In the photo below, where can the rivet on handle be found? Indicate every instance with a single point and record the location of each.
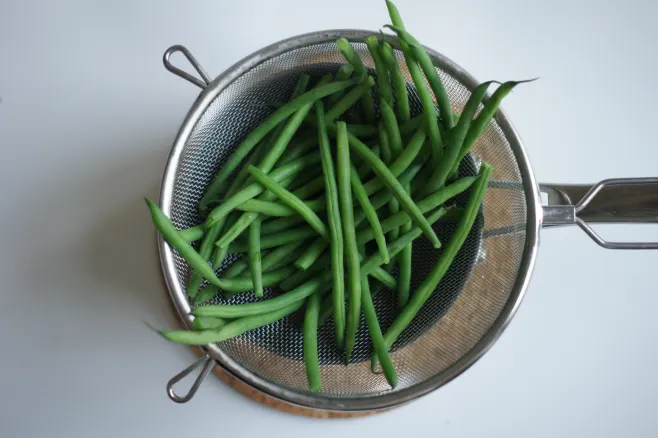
(201, 83)
(208, 364)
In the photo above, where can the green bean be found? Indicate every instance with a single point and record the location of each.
(384, 277)
(387, 157)
(300, 277)
(426, 64)
(173, 238)
(343, 74)
(269, 208)
(254, 189)
(312, 253)
(327, 308)
(457, 135)
(232, 329)
(349, 99)
(205, 251)
(429, 112)
(266, 126)
(394, 185)
(349, 236)
(404, 265)
(310, 189)
(392, 128)
(362, 131)
(364, 168)
(291, 200)
(192, 234)
(254, 257)
(371, 214)
(424, 291)
(270, 260)
(260, 307)
(311, 342)
(375, 331)
(353, 58)
(280, 224)
(429, 203)
(399, 83)
(385, 90)
(297, 150)
(482, 120)
(205, 294)
(208, 322)
(408, 127)
(274, 240)
(245, 284)
(402, 162)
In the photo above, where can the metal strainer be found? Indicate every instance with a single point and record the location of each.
(475, 300)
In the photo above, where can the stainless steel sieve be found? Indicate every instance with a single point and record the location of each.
(473, 303)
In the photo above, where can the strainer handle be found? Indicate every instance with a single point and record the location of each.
(207, 362)
(201, 83)
(627, 200)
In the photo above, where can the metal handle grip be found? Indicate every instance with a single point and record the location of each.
(208, 364)
(625, 200)
(201, 83)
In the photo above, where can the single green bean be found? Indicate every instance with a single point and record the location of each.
(394, 185)
(392, 128)
(232, 329)
(173, 238)
(410, 126)
(387, 157)
(297, 150)
(274, 240)
(280, 224)
(370, 212)
(311, 188)
(205, 294)
(312, 253)
(349, 99)
(311, 342)
(260, 307)
(208, 322)
(266, 126)
(205, 251)
(404, 265)
(269, 208)
(379, 345)
(482, 120)
(254, 257)
(192, 234)
(385, 90)
(343, 74)
(349, 236)
(426, 64)
(457, 136)
(398, 80)
(245, 284)
(353, 58)
(291, 200)
(254, 189)
(364, 168)
(384, 277)
(424, 291)
(429, 112)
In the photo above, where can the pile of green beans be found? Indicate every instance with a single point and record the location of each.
(329, 197)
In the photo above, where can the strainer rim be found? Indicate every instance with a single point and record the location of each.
(382, 401)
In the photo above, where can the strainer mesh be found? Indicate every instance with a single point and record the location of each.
(466, 303)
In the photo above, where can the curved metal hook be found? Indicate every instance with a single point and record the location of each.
(192, 60)
(208, 364)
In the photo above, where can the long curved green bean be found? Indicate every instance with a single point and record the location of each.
(349, 236)
(426, 64)
(266, 126)
(354, 59)
(192, 234)
(349, 99)
(457, 136)
(276, 239)
(254, 189)
(173, 238)
(311, 342)
(260, 307)
(232, 329)
(362, 197)
(482, 120)
(429, 112)
(394, 185)
(398, 81)
(383, 82)
(291, 200)
(254, 257)
(343, 74)
(424, 291)
(378, 343)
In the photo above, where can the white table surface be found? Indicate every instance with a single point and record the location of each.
(87, 118)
